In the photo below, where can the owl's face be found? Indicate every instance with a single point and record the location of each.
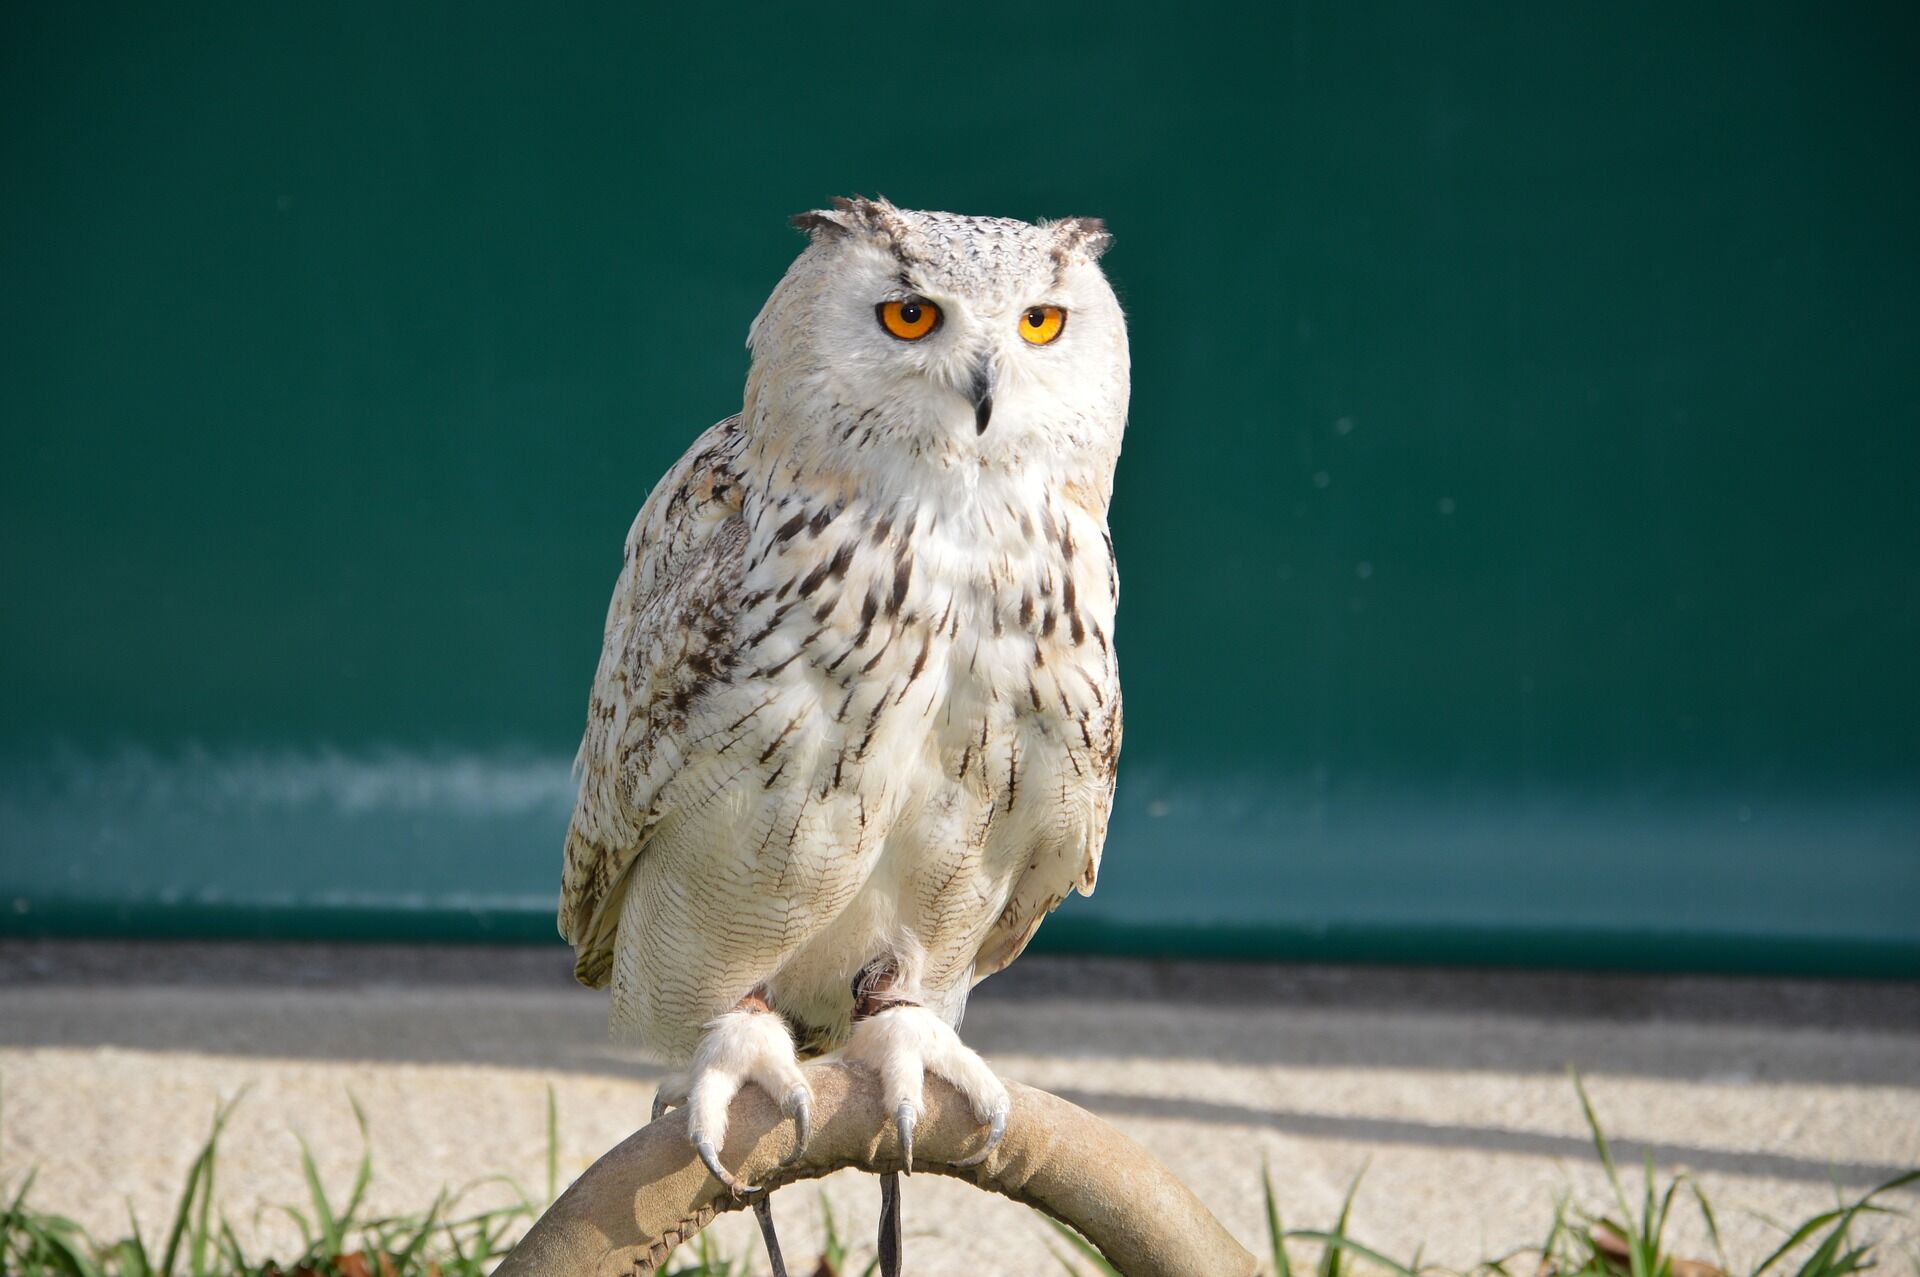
(930, 337)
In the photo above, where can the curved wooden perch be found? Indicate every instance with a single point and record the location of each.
(650, 1193)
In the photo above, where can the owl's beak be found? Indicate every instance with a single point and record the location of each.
(981, 392)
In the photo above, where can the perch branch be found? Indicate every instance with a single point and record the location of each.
(628, 1210)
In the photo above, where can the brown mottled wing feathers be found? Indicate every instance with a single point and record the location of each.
(668, 637)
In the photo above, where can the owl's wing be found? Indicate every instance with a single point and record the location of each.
(1068, 863)
(673, 602)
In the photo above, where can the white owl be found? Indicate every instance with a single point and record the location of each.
(855, 724)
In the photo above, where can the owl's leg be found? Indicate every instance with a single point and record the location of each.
(902, 1041)
(748, 1044)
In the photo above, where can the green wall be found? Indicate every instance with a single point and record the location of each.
(1518, 520)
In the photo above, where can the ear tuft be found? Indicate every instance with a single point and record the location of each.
(820, 225)
(1088, 236)
(872, 217)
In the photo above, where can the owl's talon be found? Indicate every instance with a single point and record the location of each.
(904, 1118)
(996, 1131)
(908, 1043)
(671, 1093)
(704, 1147)
(744, 1046)
(798, 1106)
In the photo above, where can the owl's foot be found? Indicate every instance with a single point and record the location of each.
(903, 1043)
(747, 1044)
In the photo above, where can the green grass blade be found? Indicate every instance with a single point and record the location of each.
(1817, 1222)
(1713, 1225)
(308, 1241)
(832, 1249)
(1827, 1259)
(1844, 1216)
(1332, 1257)
(1064, 1264)
(199, 1183)
(1551, 1247)
(183, 1213)
(506, 1181)
(1497, 1265)
(1644, 1240)
(406, 1254)
(134, 1261)
(1087, 1249)
(230, 1251)
(323, 1216)
(1659, 1228)
(553, 1146)
(16, 1211)
(1898, 1181)
(197, 1242)
(1276, 1231)
(1818, 1263)
(485, 1242)
(62, 1244)
(1600, 1142)
(1854, 1261)
(453, 1242)
(362, 1175)
(711, 1261)
(1341, 1242)
(125, 1258)
(1794, 1238)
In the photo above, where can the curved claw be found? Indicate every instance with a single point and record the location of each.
(659, 1103)
(904, 1119)
(704, 1147)
(800, 1107)
(995, 1133)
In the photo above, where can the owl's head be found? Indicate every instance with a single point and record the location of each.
(941, 340)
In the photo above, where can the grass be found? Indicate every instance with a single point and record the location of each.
(1628, 1241)
(339, 1239)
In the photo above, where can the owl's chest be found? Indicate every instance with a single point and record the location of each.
(935, 663)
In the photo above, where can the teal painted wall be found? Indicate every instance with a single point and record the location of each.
(1518, 519)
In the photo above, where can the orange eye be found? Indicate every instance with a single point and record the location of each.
(1041, 324)
(908, 320)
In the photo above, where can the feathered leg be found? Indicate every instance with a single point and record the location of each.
(902, 1041)
(747, 1044)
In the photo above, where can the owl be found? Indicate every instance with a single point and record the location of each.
(854, 728)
